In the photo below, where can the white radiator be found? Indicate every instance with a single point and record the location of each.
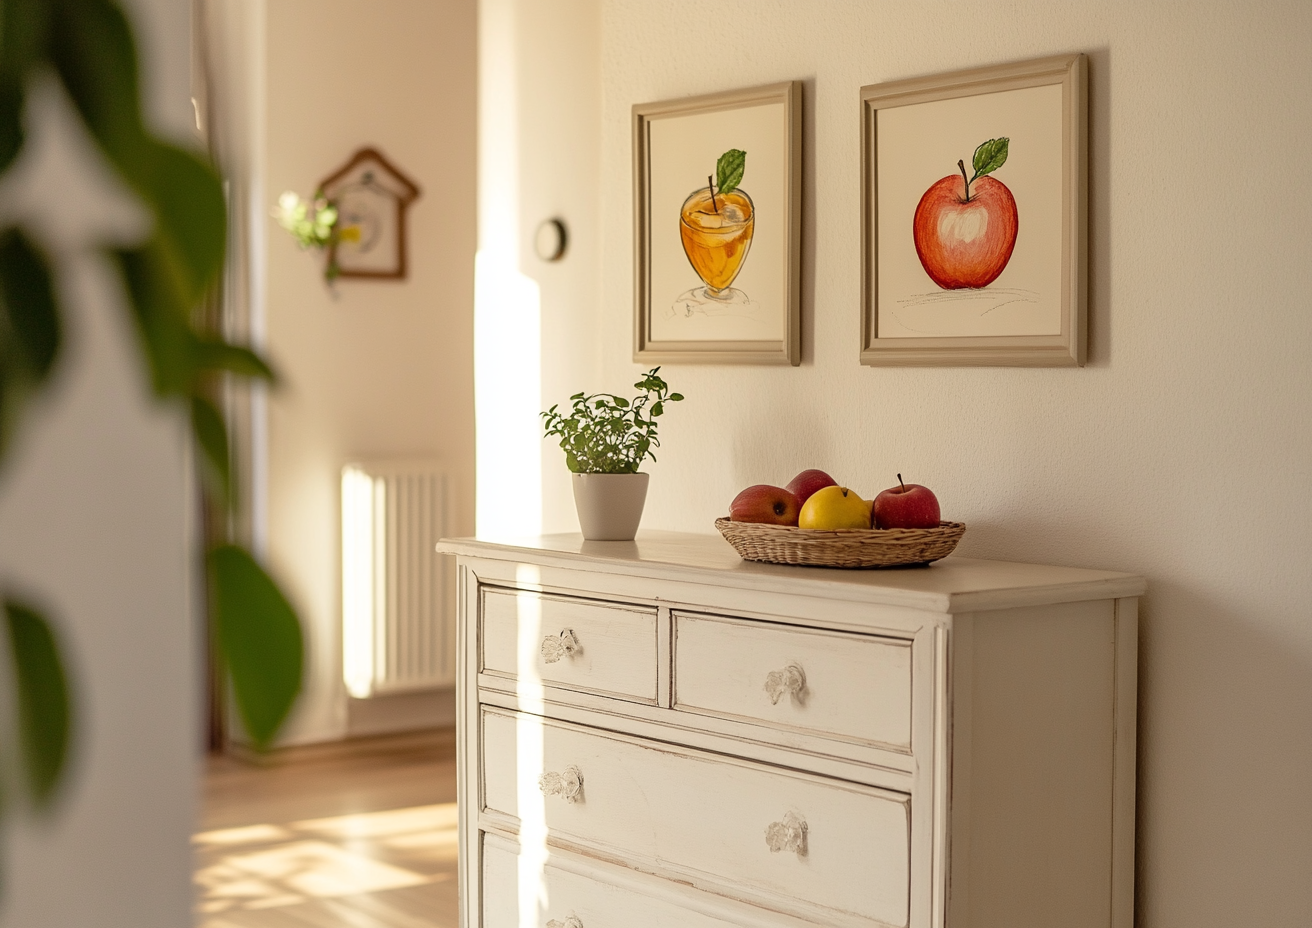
(398, 632)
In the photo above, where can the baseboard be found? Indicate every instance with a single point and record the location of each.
(441, 741)
(398, 712)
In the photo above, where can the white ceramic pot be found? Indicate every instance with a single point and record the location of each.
(610, 505)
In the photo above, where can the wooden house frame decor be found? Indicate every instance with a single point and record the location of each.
(371, 195)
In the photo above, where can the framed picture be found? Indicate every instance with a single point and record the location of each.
(717, 187)
(974, 217)
(372, 196)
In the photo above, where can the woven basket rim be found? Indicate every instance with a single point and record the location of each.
(844, 548)
(844, 533)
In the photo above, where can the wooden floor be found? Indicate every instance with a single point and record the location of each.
(325, 838)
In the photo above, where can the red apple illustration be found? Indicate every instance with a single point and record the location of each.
(965, 229)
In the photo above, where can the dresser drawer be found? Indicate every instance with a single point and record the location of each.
(833, 684)
(561, 893)
(719, 823)
(574, 644)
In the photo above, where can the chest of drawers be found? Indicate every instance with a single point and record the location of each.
(655, 734)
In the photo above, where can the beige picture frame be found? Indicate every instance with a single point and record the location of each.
(1065, 241)
(774, 259)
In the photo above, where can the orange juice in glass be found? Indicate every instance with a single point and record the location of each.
(716, 229)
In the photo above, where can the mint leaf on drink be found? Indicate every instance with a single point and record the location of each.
(990, 156)
(729, 170)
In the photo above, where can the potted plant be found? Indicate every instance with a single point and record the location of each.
(605, 439)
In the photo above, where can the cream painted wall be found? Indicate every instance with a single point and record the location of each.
(539, 158)
(559, 70)
(96, 526)
(1183, 451)
(374, 369)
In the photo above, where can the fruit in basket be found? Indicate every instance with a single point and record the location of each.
(807, 482)
(834, 508)
(764, 503)
(907, 505)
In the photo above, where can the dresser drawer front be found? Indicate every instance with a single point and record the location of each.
(833, 684)
(557, 895)
(701, 817)
(574, 644)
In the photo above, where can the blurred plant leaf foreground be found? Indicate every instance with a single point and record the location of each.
(87, 46)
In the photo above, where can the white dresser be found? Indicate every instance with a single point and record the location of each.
(656, 734)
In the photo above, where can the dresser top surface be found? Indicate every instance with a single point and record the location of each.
(954, 584)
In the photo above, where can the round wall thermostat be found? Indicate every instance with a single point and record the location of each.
(550, 240)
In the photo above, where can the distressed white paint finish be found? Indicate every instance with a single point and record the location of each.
(1010, 801)
(709, 818)
(854, 687)
(612, 651)
(602, 896)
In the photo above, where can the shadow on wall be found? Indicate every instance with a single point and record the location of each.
(1219, 678)
(1100, 206)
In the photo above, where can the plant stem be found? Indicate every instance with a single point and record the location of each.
(899, 476)
(710, 185)
(961, 164)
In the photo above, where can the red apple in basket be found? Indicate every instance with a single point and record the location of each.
(764, 503)
(965, 228)
(807, 482)
(907, 505)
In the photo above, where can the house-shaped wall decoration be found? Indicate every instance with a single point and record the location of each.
(372, 196)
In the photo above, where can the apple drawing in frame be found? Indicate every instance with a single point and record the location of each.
(965, 228)
(765, 504)
(907, 505)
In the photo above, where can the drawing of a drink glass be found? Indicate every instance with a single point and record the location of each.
(716, 224)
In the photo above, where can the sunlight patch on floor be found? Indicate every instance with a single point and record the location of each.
(267, 866)
(379, 824)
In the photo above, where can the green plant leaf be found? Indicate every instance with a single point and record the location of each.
(44, 707)
(675, 397)
(728, 174)
(29, 328)
(211, 355)
(259, 639)
(608, 434)
(28, 298)
(92, 49)
(161, 320)
(190, 216)
(212, 437)
(990, 156)
(11, 121)
(23, 25)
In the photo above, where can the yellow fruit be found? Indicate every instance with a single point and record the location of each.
(834, 508)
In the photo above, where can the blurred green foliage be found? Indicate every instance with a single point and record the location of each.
(88, 46)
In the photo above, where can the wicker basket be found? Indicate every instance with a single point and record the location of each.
(856, 547)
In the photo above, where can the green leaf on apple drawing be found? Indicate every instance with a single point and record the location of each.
(729, 170)
(990, 156)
